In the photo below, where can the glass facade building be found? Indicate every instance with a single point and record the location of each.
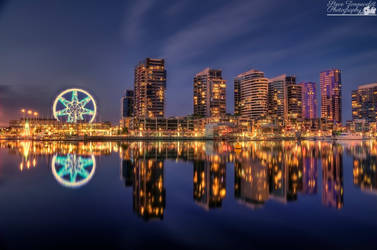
(309, 100)
(150, 88)
(251, 98)
(331, 96)
(127, 104)
(364, 102)
(209, 93)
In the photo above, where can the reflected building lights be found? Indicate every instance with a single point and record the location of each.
(332, 177)
(209, 182)
(148, 189)
(263, 170)
(251, 182)
(364, 167)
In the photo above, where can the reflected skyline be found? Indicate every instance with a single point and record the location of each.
(280, 171)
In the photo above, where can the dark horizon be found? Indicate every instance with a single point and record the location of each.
(47, 46)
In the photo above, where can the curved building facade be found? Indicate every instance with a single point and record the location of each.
(253, 94)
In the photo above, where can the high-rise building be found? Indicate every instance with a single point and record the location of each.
(294, 103)
(127, 104)
(364, 102)
(331, 96)
(150, 88)
(284, 99)
(251, 98)
(309, 100)
(209, 93)
(237, 96)
(277, 99)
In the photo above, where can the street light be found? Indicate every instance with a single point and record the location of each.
(23, 113)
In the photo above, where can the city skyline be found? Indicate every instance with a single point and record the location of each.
(40, 63)
(188, 124)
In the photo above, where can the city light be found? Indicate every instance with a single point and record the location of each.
(77, 108)
(72, 170)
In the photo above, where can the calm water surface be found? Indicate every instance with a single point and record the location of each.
(186, 195)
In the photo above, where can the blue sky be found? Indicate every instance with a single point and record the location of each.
(47, 46)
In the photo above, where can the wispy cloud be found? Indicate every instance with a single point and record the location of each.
(176, 8)
(225, 23)
(135, 16)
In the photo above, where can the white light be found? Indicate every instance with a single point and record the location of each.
(72, 90)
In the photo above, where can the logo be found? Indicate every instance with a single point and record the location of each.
(351, 8)
(368, 10)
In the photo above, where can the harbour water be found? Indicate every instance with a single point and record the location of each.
(188, 195)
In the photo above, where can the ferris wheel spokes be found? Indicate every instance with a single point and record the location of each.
(76, 109)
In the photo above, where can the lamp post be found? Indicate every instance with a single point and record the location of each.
(23, 113)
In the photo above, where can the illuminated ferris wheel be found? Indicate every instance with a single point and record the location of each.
(74, 105)
(73, 170)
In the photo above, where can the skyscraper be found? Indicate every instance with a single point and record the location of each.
(284, 99)
(150, 87)
(364, 102)
(331, 96)
(309, 100)
(294, 100)
(237, 96)
(209, 93)
(127, 104)
(251, 100)
(277, 99)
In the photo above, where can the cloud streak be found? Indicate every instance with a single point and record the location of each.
(221, 25)
(135, 16)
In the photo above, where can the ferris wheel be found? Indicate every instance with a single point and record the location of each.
(73, 170)
(73, 105)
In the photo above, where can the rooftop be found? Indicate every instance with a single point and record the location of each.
(206, 71)
(367, 86)
(251, 71)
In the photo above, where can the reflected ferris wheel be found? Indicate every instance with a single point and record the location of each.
(73, 170)
(74, 105)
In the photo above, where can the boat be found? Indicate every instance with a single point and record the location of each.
(349, 136)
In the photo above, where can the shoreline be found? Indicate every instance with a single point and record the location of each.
(152, 138)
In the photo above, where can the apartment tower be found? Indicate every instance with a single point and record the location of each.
(150, 88)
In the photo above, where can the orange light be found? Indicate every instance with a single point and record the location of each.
(29, 112)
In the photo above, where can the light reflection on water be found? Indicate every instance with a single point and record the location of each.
(261, 172)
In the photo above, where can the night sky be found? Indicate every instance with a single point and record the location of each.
(47, 46)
